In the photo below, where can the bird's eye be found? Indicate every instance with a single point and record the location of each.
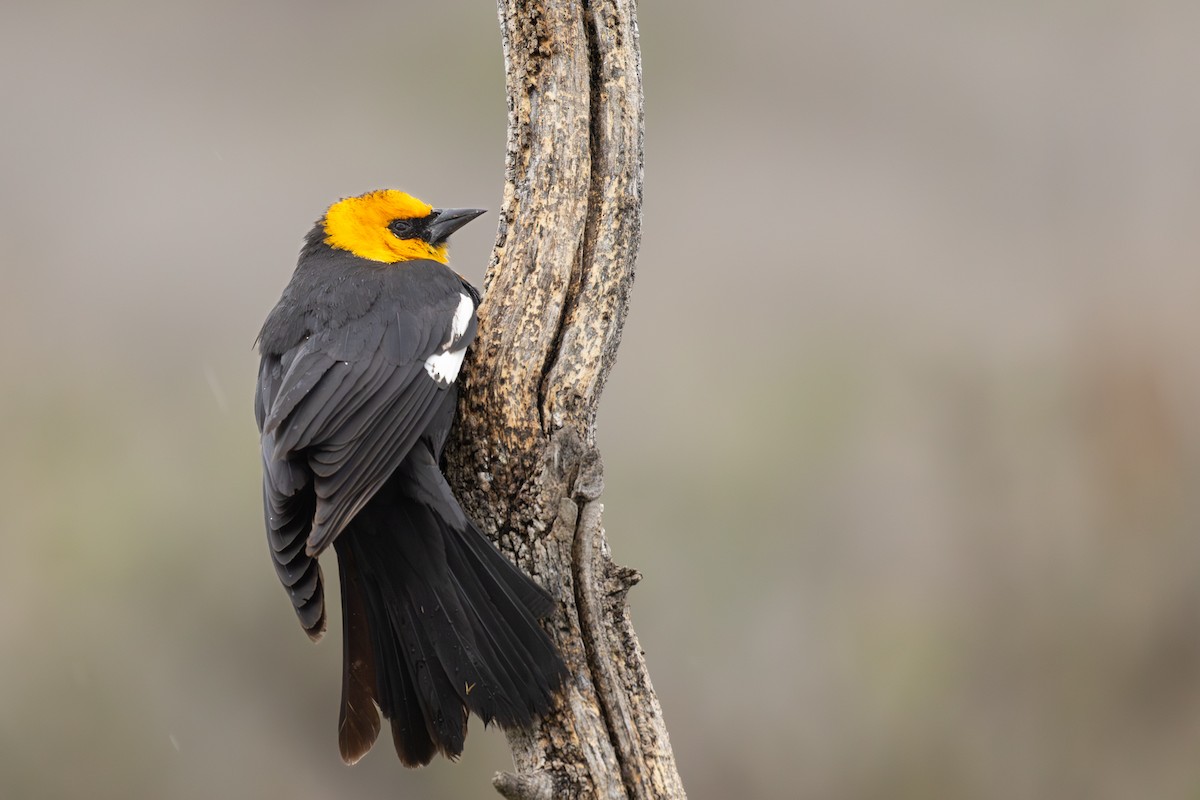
(403, 228)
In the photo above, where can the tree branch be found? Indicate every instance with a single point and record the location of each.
(523, 460)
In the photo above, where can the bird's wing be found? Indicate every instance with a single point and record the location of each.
(345, 405)
(288, 505)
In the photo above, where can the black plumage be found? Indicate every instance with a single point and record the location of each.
(354, 409)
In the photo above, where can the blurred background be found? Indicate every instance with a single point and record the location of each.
(904, 435)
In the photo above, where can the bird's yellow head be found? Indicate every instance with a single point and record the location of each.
(390, 226)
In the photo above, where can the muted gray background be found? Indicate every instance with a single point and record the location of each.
(904, 434)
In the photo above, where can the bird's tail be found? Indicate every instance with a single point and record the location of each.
(437, 623)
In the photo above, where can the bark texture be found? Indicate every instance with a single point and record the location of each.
(523, 460)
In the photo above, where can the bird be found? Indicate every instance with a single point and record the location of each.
(356, 396)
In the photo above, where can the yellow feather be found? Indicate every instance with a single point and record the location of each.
(360, 225)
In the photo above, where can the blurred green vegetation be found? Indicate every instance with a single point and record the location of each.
(903, 433)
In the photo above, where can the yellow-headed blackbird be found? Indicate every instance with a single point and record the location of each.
(356, 395)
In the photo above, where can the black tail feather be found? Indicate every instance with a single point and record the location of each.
(358, 720)
(451, 626)
(520, 647)
(396, 693)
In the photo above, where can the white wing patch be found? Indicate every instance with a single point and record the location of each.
(444, 367)
(462, 316)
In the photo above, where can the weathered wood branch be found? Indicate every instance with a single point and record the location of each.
(524, 461)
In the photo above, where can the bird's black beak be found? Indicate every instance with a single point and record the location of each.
(447, 221)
